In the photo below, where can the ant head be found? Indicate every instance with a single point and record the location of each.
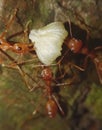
(73, 42)
(22, 48)
(75, 45)
(46, 73)
(51, 108)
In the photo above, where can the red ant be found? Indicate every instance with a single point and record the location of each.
(19, 48)
(77, 47)
(52, 105)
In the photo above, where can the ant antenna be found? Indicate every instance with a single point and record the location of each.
(26, 30)
(70, 28)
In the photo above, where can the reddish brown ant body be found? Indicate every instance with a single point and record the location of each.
(20, 48)
(77, 47)
(52, 105)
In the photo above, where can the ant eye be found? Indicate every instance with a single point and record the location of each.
(18, 48)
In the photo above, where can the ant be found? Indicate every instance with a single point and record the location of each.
(18, 66)
(20, 48)
(52, 105)
(78, 47)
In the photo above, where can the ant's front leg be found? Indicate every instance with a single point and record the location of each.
(97, 61)
(98, 65)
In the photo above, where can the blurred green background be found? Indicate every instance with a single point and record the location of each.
(82, 101)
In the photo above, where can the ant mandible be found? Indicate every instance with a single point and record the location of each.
(77, 47)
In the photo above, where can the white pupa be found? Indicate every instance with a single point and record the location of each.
(48, 41)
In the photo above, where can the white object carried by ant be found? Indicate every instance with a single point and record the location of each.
(48, 41)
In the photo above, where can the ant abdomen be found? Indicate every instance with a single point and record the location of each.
(51, 108)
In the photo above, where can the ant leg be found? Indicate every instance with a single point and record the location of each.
(58, 104)
(36, 110)
(98, 65)
(70, 28)
(97, 62)
(15, 34)
(98, 48)
(26, 31)
(77, 67)
(23, 74)
(26, 62)
(69, 82)
(16, 66)
(8, 24)
(38, 107)
(8, 56)
(1, 58)
(33, 88)
(59, 62)
(70, 64)
(72, 79)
